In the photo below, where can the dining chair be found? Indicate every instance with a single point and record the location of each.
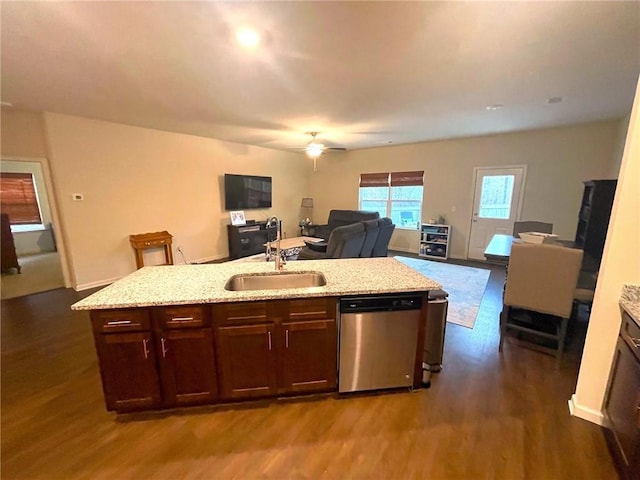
(531, 226)
(541, 284)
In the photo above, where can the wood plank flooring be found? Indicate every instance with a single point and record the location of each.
(486, 415)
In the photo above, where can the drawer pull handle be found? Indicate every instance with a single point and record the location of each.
(164, 348)
(635, 341)
(119, 322)
(182, 319)
(144, 348)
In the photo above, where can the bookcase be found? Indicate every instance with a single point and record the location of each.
(434, 241)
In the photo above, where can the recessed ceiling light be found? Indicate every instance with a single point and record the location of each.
(555, 100)
(495, 106)
(247, 37)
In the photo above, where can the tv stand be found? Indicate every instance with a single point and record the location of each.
(249, 239)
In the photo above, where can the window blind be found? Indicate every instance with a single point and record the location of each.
(374, 179)
(18, 198)
(407, 179)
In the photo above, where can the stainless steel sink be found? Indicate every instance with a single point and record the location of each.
(275, 281)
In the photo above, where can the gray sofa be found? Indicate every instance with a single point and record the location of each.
(363, 239)
(339, 218)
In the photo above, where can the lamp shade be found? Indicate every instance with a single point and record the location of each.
(307, 202)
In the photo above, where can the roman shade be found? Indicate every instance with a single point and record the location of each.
(19, 199)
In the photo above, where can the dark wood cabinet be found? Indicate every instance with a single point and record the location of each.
(162, 357)
(622, 403)
(247, 240)
(309, 353)
(126, 355)
(8, 248)
(274, 348)
(593, 219)
(247, 361)
(184, 342)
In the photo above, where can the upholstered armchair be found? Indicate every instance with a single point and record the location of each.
(344, 242)
(381, 247)
(371, 230)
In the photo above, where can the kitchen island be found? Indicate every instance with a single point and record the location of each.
(169, 336)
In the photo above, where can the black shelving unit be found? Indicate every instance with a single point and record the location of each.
(593, 219)
(247, 240)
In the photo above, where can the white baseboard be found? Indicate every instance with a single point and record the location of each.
(406, 250)
(204, 260)
(588, 414)
(99, 283)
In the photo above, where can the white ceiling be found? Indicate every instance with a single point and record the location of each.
(364, 74)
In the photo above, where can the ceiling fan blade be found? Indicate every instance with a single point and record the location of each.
(336, 149)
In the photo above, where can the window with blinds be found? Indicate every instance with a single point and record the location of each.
(19, 199)
(397, 195)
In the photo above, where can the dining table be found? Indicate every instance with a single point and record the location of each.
(499, 250)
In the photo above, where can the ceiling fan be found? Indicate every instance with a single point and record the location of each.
(314, 149)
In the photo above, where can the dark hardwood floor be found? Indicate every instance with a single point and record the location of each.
(486, 415)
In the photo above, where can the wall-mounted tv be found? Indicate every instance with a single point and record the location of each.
(243, 192)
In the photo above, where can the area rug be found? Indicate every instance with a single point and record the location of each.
(465, 286)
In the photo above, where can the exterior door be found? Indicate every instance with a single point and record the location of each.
(497, 201)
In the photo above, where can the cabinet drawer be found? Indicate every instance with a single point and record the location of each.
(312, 308)
(240, 313)
(630, 332)
(188, 316)
(120, 320)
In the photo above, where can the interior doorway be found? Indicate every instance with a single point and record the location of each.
(497, 202)
(34, 243)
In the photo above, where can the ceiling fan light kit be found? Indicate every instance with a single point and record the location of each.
(314, 149)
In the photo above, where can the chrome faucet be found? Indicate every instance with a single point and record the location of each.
(279, 261)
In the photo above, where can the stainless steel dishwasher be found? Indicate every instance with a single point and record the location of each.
(378, 338)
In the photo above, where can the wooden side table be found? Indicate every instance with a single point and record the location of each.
(152, 240)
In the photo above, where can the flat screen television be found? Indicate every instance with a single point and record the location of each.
(244, 192)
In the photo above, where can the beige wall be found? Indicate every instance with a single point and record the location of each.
(558, 161)
(22, 134)
(136, 180)
(616, 159)
(620, 265)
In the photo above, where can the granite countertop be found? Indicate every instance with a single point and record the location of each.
(630, 301)
(195, 284)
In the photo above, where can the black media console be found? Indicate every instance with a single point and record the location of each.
(249, 239)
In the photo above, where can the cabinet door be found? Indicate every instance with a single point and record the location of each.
(309, 355)
(246, 361)
(128, 369)
(187, 366)
(623, 405)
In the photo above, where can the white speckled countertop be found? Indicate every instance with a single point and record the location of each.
(630, 301)
(194, 284)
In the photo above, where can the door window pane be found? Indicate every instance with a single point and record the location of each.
(496, 195)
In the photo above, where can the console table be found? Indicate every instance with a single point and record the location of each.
(152, 240)
(247, 240)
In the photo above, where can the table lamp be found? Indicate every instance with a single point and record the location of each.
(307, 202)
